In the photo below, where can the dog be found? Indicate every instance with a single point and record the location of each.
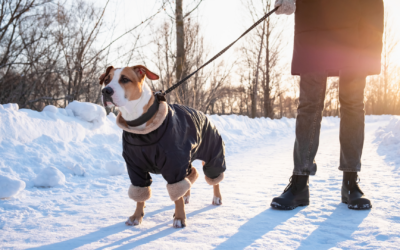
(169, 140)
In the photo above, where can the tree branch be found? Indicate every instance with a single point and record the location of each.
(129, 31)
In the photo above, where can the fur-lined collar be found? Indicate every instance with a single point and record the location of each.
(157, 121)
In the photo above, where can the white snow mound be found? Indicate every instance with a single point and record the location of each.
(49, 177)
(115, 168)
(88, 112)
(390, 134)
(11, 106)
(388, 137)
(10, 187)
(76, 169)
(50, 109)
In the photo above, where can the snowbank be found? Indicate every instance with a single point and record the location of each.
(388, 138)
(49, 177)
(88, 112)
(77, 142)
(10, 187)
(115, 168)
(240, 132)
(77, 169)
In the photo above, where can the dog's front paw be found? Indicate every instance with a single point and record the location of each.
(217, 201)
(179, 223)
(134, 221)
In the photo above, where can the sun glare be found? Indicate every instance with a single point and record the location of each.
(391, 7)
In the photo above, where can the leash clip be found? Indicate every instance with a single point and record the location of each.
(160, 96)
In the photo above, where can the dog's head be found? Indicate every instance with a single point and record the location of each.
(122, 85)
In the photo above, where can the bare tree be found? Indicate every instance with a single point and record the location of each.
(204, 89)
(389, 45)
(261, 51)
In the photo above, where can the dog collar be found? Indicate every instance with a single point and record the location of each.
(159, 96)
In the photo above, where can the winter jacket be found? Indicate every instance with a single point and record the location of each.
(331, 35)
(185, 135)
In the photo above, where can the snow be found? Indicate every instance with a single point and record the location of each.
(89, 210)
(88, 112)
(49, 177)
(11, 106)
(115, 168)
(50, 109)
(77, 169)
(10, 187)
(389, 136)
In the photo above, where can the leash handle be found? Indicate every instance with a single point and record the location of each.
(219, 54)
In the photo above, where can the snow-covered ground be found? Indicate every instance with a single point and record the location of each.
(67, 186)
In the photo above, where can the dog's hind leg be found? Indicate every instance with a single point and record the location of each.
(137, 218)
(217, 199)
(192, 177)
(180, 214)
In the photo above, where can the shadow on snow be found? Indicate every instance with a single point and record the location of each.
(256, 227)
(95, 236)
(119, 227)
(338, 227)
(155, 236)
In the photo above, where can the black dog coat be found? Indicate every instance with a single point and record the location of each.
(184, 136)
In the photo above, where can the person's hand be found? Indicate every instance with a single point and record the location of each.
(287, 7)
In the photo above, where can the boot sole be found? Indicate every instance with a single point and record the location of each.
(278, 206)
(364, 207)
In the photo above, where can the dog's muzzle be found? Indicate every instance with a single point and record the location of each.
(107, 96)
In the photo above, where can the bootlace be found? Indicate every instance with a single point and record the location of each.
(358, 187)
(355, 185)
(290, 185)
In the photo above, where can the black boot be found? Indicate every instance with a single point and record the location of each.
(296, 194)
(352, 194)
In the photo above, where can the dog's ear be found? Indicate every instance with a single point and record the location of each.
(103, 76)
(142, 71)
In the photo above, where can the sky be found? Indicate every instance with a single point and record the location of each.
(222, 21)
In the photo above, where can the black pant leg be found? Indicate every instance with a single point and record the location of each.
(308, 122)
(352, 122)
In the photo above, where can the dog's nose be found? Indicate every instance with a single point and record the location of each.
(107, 91)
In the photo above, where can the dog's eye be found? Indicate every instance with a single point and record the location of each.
(124, 79)
(107, 81)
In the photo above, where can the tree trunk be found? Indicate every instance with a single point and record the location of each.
(255, 87)
(280, 105)
(180, 45)
(267, 100)
(167, 62)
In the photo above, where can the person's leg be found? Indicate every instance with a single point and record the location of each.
(308, 122)
(351, 97)
(308, 125)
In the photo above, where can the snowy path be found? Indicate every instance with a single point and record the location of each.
(91, 213)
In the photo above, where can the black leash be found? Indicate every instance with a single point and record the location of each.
(160, 95)
(216, 56)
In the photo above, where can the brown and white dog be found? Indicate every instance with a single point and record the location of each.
(133, 97)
